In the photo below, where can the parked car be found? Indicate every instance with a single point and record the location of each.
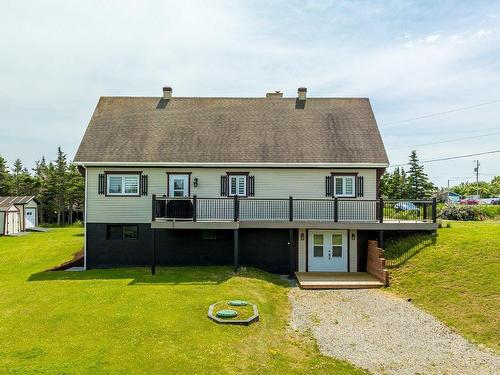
(405, 206)
(469, 201)
(495, 201)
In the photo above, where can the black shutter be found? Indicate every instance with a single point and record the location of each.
(328, 187)
(251, 186)
(223, 186)
(360, 186)
(101, 186)
(144, 184)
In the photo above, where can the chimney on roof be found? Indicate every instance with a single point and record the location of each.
(167, 92)
(274, 95)
(301, 92)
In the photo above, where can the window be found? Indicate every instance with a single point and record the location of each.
(238, 185)
(122, 232)
(337, 245)
(127, 184)
(318, 246)
(344, 186)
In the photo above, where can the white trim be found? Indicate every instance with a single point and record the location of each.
(239, 178)
(85, 220)
(239, 165)
(123, 184)
(344, 186)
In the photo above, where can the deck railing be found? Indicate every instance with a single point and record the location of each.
(290, 209)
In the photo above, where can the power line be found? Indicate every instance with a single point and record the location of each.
(438, 113)
(448, 158)
(445, 141)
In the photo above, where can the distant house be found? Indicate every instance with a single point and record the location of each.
(17, 214)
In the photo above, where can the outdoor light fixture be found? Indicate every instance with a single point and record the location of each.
(302, 236)
(353, 236)
(195, 182)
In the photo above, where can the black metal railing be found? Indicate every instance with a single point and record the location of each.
(290, 209)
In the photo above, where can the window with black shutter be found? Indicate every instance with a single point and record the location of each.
(328, 187)
(144, 184)
(223, 186)
(251, 186)
(101, 184)
(361, 186)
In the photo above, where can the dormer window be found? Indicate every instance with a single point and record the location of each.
(237, 185)
(344, 186)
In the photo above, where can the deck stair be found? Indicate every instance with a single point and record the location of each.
(337, 280)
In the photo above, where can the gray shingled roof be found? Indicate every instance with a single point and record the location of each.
(222, 130)
(6, 202)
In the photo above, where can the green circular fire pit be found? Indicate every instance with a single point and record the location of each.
(226, 313)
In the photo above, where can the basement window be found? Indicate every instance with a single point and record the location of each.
(122, 232)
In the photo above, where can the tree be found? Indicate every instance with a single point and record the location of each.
(59, 184)
(418, 184)
(75, 191)
(393, 185)
(23, 182)
(5, 178)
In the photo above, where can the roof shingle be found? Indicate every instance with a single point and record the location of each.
(228, 130)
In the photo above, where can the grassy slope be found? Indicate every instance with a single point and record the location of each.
(457, 279)
(125, 321)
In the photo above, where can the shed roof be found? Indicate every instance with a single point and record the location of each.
(9, 201)
(228, 130)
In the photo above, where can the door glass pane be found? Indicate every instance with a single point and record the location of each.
(179, 183)
(349, 185)
(318, 246)
(337, 251)
(131, 184)
(338, 185)
(337, 239)
(115, 185)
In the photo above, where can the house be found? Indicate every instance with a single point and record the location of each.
(17, 214)
(283, 184)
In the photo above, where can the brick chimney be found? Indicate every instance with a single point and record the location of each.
(301, 92)
(167, 92)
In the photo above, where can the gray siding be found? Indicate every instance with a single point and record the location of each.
(269, 183)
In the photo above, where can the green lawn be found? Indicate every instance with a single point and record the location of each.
(455, 276)
(126, 321)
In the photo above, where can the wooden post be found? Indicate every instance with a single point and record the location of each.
(290, 244)
(381, 210)
(153, 208)
(236, 208)
(434, 210)
(290, 208)
(153, 263)
(194, 207)
(336, 209)
(424, 216)
(381, 239)
(236, 250)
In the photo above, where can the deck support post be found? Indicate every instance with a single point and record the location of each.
(153, 263)
(153, 207)
(381, 210)
(381, 239)
(291, 246)
(194, 207)
(236, 249)
(434, 210)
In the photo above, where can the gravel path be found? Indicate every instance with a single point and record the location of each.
(385, 334)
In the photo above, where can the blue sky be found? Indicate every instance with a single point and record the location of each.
(410, 58)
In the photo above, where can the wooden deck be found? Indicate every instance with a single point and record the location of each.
(337, 280)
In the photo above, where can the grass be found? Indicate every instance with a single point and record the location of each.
(454, 276)
(124, 321)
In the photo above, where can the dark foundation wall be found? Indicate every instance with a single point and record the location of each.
(266, 249)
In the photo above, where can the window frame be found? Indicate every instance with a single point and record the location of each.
(123, 175)
(122, 227)
(344, 176)
(231, 175)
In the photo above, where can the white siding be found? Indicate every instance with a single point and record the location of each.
(2, 221)
(269, 183)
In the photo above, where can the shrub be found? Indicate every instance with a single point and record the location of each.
(460, 212)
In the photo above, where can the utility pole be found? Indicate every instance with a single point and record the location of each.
(476, 169)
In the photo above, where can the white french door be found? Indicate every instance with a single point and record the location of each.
(327, 250)
(178, 185)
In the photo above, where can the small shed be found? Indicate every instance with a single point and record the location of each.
(18, 213)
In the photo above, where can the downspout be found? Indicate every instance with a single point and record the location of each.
(85, 220)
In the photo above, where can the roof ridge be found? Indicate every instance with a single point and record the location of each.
(237, 97)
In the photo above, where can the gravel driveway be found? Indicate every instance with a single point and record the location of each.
(385, 334)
